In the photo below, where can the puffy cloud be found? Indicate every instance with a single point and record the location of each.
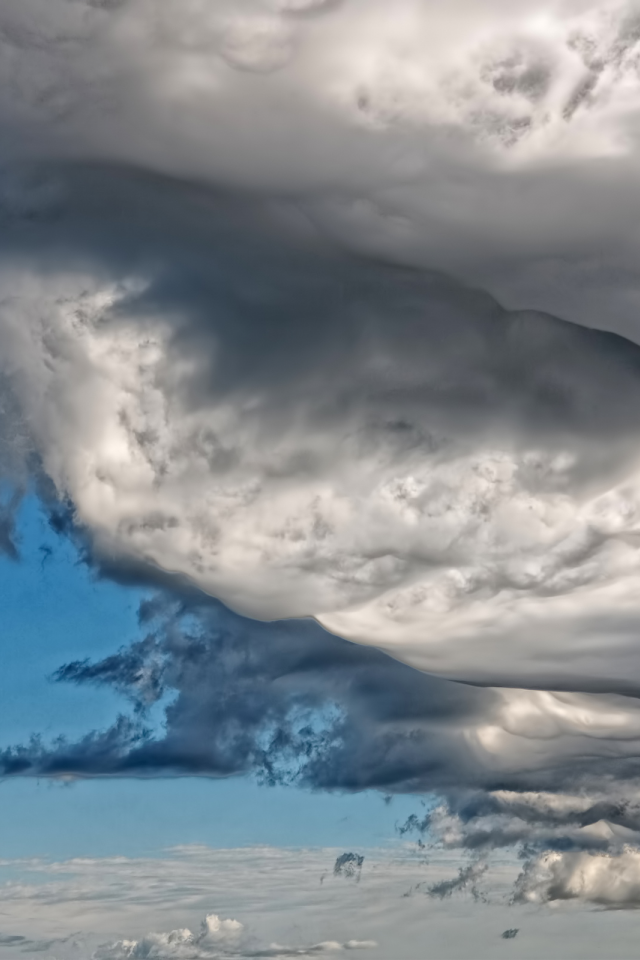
(441, 488)
(214, 935)
(611, 881)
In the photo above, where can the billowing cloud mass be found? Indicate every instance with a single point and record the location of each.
(329, 310)
(301, 433)
(610, 881)
(495, 140)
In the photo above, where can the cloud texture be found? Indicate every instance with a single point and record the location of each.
(305, 433)
(296, 309)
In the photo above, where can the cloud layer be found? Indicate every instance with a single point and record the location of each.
(276, 894)
(496, 142)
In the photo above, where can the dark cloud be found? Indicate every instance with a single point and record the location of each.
(466, 880)
(486, 452)
(7, 535)
(349, 865)
(286, 701)
(589, 816)
(136, 671)
(452, 355)
(290, 703)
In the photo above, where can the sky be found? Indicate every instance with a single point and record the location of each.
(319, 482)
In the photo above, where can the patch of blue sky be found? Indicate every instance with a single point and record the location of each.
(54, 610)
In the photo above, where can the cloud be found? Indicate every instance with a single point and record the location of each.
(286, 701)
(274, 892)
(610, 881)
(235, 360)
(467, 879)
(496, 142)
(27, 945)
(290, 703)
(349, 865)
(444, 488)
(574, 846)
(443, 481)
(217, 938)
(215, 935)
(593, 820)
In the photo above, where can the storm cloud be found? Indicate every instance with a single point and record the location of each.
(214, 694)
(299, 431)
(331, 315)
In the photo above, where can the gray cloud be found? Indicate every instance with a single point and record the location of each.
(286, 701)
(488, 457)
(574, 846)
(593, 820)
(466, 429)
(349, 865)
(289, 703)
(467, 880)
(494, 142)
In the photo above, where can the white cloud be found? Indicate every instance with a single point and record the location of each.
(214, 935)
(608, 880)
(216, 939)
